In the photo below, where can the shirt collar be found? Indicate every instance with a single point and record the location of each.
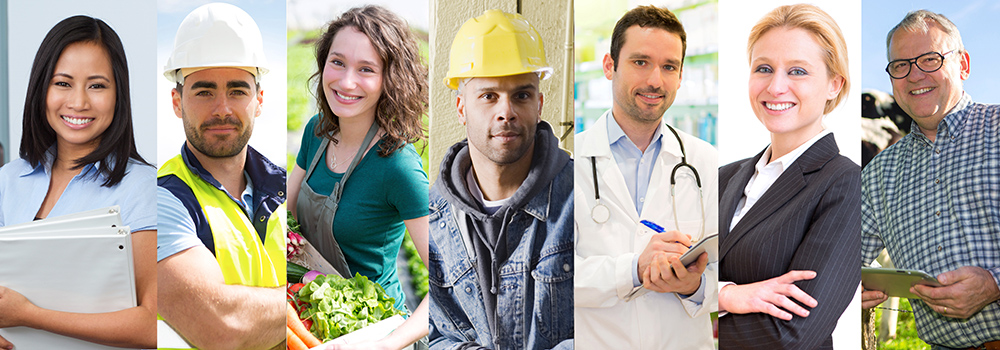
(954, 121)
(786, 160)
(616, 134)
(50, 156)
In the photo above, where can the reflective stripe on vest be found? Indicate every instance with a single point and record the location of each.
(241, 255)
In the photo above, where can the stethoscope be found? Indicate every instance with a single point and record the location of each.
(600, 213)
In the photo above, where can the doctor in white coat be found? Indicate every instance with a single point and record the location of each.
(620, 302)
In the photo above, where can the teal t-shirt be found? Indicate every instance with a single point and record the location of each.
(380, 194)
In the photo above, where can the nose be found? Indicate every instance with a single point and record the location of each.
(78, 99)
(915, 74)
(655, 79)
(222, 106)
(504, 110)
(778, 85)
(348, 81)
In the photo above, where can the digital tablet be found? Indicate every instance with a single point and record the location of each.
(895, 282)
(709, 244)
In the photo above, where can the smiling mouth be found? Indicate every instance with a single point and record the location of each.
(921, 91)
(651, 97)
(778, 106)
(351, 98)
(77, 120)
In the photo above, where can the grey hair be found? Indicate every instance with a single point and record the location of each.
(917, 21)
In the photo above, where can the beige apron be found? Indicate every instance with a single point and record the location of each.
(316, 211)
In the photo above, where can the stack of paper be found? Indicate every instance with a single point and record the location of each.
(75, 263)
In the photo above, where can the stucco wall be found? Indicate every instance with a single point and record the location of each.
(552, 19)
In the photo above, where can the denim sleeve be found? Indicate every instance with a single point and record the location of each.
(439, 342)
(564, 345)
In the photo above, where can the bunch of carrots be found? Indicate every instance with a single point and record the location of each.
(299, 337)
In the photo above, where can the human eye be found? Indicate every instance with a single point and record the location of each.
(929, 60)
(203, 93)
(797, 71)
(765, 69)
(489, 96)
(239, 92)
(523, 95)
(640, 63)
(669, 67)
(337, 62)
(367, 70)
(98, 86)
(61, 84)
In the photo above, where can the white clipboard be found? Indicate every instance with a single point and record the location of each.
(104, 217)
(85, 270)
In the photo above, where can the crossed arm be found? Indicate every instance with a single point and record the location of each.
(210, 314)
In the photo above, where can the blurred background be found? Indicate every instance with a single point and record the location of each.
(306, 20)
(267, 136)
(884, 122)
(25, 24)
(696, 108)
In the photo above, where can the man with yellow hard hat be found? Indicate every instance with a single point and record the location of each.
(221, 238)
(501, 211)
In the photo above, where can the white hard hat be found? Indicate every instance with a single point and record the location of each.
(216, 35)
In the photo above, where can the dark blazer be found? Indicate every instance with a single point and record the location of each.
(809, 219)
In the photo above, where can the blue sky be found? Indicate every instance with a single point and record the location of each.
(975, 22)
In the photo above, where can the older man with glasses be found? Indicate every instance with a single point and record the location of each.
(933, 198)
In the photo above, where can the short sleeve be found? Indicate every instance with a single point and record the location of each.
(176, 231)
(408, 192)
(139, 206)
(307, 148)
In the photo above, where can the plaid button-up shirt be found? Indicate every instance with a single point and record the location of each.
(936, 207)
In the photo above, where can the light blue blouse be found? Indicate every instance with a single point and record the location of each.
(23, 188)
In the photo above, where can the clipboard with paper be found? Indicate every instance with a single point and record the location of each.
(75, 263)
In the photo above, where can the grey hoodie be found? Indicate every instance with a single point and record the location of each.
(489, 234)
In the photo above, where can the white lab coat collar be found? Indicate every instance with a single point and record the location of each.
(602, 146)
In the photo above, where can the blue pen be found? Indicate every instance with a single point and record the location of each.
(658, 229)
(652, 226)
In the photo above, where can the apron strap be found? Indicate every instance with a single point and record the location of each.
(338, 188)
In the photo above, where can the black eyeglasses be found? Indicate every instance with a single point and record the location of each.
(928, 63)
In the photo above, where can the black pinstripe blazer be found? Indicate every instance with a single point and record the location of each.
(809, 219)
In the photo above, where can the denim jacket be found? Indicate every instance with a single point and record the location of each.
(535, 301)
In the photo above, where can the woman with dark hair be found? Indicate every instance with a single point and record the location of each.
(372, 94)
(78, 153)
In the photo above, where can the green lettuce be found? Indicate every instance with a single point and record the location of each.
(338, 306)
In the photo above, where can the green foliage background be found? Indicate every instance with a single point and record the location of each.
(301, 107)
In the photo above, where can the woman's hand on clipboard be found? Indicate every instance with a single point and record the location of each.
(4, 344)
(13, 307)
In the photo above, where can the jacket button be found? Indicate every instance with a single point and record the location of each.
(262, 218)
(281, 193)
(442, 224)
(566, 267)
(468, 290)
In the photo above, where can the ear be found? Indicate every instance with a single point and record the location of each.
(609, 66)
(541, 101)
(175, 96)
(966, 65)
(260, 102)
(836, 84)
(460, 105)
